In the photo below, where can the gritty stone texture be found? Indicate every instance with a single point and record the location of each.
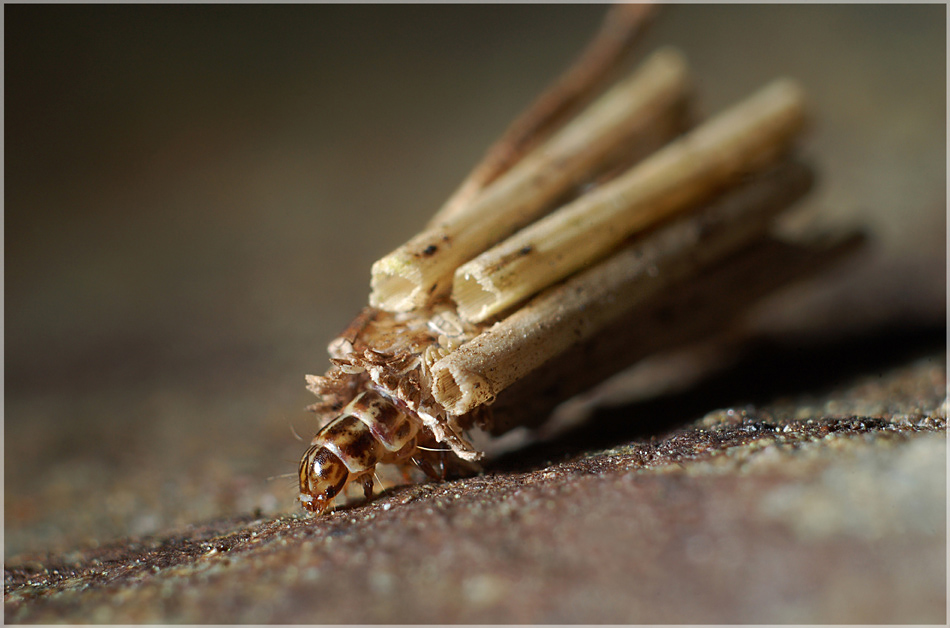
(743, 516)
(193, 199)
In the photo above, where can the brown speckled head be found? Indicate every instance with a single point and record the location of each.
(322, 476)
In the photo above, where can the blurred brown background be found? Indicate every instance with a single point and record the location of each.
(194, 195)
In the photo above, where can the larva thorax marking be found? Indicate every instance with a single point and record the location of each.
(370, 430)
(392, 427)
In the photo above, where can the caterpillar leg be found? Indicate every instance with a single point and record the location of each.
(367, 483)
(428, 469)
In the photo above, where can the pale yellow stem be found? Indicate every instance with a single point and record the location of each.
(676, 177)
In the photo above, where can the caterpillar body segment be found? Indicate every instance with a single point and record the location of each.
(370, 431)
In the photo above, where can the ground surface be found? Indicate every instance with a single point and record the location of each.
(745, 516)
(193, 197)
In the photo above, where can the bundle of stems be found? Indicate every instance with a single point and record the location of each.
(589, 301)
(733, 143)
(420, 272)
(581, 225)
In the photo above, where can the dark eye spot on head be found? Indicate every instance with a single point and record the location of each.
(525, 250)
(430, 250)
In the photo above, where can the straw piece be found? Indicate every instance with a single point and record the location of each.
(569, 312)
(421, 270)
(689, 169)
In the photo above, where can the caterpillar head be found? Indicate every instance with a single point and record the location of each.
(322, 476)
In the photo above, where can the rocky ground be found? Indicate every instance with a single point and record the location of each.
(783, 513)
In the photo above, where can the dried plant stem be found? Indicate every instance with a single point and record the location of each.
(621, 29)
(569, 312)
(684, 172)
(700, 308)
(421, 271)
